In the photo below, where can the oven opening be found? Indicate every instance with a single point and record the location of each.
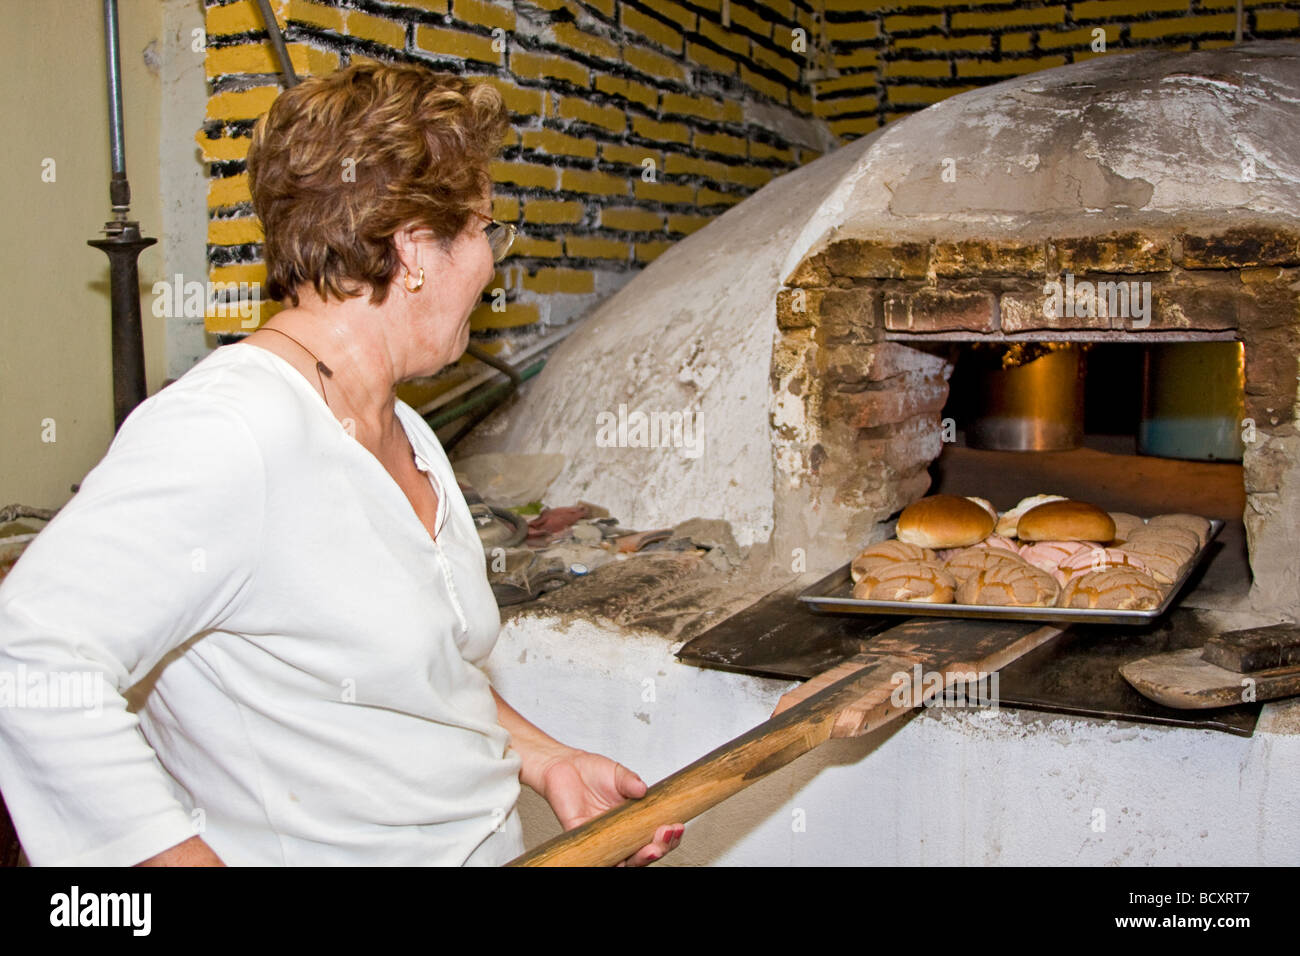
(1144, 428)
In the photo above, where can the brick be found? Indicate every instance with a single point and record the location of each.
(1117, 252)
(458, 43)
(664, 192)
(691, 106)
(523, 174)
(515, 315)
(552, 211)
(940, 310)
(1009, 67)
(721, 143)
(886, 360)
(935, 43)
(241, 104)
(592, 45)
(234, 232)
(558, 144)
(853, 31)
(1204, 306)
(316, 14)
(631, 155)
(649, 251)
(760, 150)
(909, 24)
(755, 177)
(845, 316)
(727, 39)
(627, 89)
(875, 259)
(712, 197)
(484, 14)
(858, 126)
(859, 59)
(607, 7)
(1028, 312)
(505, 208)
(885, 406)
(587, 181)
(678, 164)
(560, 281)
(228, 191)
(702, 55)
(537, 248)
(978, 257)
(367, 26)
(684, 18)
(223, 147)
(520, 101)
(1016, 42)
(240, 17)
(1007, 18)
(608, 117)
(592, 247)
(1241, 248)
(902, 95)
(685, 225)
(652, 29)
(849, 104)
(535, 66)
(1272, 21)
(921, 68)
(751, 21)
(630, 219)
(1123, 9)
(1215, 23)
(1049, 40)
(655, 64)
(249, 272)
(761, 84)
(786, 65)
(653, 129)
(801, 103)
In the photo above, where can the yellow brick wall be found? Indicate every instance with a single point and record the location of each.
(885, 60)
(631, 125)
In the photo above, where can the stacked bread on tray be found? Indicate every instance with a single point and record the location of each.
(1047, 551)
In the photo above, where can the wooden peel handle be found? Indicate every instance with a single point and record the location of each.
(616, 835)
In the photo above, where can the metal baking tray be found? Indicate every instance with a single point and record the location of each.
(833, 595)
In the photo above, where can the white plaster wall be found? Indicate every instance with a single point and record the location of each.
(183, 176)
(944, 787)
(692, 333)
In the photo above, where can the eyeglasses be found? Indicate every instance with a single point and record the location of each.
(501, 235)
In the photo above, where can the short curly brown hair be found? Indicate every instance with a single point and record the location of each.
(341, 163)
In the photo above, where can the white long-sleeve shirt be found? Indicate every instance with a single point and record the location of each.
(317, 696)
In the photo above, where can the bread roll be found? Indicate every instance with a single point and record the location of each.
(1120, 589)
(920, 581)
(944, 521)
(1187, 540)
(1125, 524)
(1009, 584)
(1164, 561)
(1048, 555)
(986, 505)
(886, 552)
(1007, 522)
(1093, 559)
(969, 561)
(1193, 523)
(1065, 521)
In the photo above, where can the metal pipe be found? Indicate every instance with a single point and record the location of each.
(277, 44)
(122, 246)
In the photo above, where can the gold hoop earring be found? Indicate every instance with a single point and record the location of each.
(419, 283)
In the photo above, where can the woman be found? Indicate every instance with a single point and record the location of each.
(279, 545)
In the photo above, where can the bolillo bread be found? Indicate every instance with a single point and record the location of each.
(1065, 521)
(944, 521)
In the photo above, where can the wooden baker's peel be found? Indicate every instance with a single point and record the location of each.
(849, 700)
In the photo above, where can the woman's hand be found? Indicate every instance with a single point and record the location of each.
(580, 785)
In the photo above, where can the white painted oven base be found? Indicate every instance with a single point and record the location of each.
(943, 787)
